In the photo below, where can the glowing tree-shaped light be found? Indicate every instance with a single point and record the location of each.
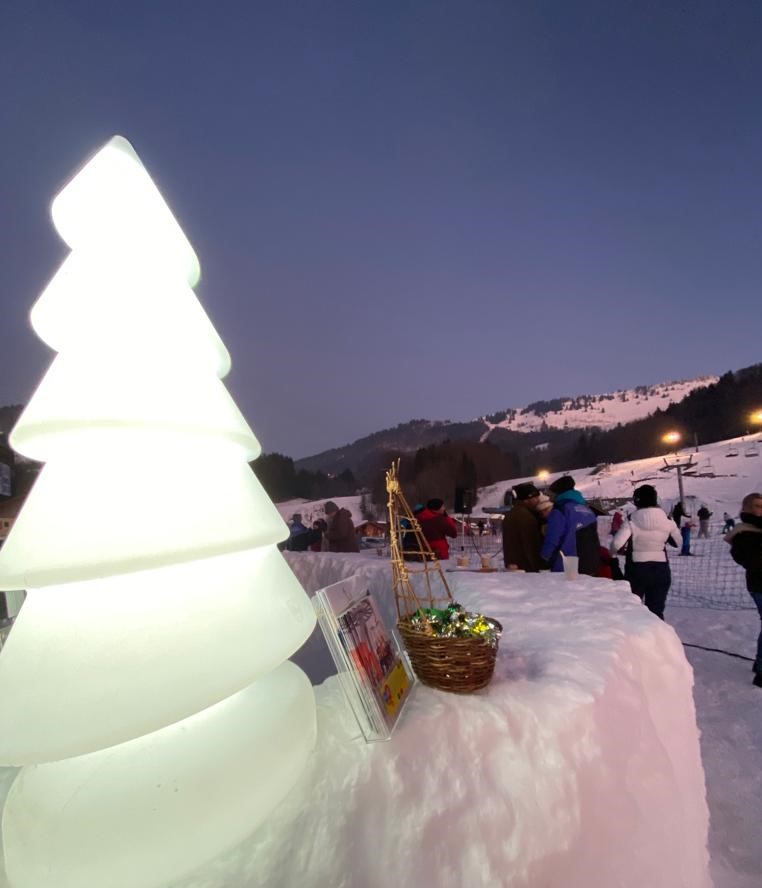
(145, 687)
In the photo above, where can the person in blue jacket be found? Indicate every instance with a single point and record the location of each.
(572, 529)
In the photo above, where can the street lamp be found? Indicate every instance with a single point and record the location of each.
(677, 464)
(544, 474)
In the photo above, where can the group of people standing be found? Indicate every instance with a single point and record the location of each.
(436, 525)
(334, 533)
(533, 542)
(540, 530)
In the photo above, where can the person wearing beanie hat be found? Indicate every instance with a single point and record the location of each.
(299, 535)
(525, 491)
(437, 525)
(562, 485)
(644, 497)
(521, 531)
(340, 534)
(646, 566)
(572, 529)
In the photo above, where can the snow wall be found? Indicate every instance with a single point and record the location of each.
(579, 765)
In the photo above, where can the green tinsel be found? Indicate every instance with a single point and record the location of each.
(454, 622)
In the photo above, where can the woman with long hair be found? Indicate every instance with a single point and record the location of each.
(647, 566)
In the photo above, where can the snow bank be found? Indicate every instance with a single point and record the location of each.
(579, 765)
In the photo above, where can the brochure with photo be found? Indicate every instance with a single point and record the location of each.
(372, 666)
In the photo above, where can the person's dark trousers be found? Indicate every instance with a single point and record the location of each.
(685, 533)
(758, 662)
(651, 580)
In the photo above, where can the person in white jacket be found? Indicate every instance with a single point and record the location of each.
(648, 568)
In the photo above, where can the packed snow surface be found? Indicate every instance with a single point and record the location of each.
(579, 765)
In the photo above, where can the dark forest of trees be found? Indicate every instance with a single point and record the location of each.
(436, 471)
(282, 481)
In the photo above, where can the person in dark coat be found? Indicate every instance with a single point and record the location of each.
(572, 529)
(411, 549)
(745, 541)
(299, 536)
(319, 527)
(703, 516)
(340, 534)
(522, 537)
(682, 520)
(437, 525)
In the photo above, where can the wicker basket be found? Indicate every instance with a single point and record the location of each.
(460, 665)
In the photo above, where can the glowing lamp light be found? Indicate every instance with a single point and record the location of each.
(543, 475)
(672, 438)
(145, 686)
(756, 417)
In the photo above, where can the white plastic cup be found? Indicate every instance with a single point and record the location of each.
(571, 566)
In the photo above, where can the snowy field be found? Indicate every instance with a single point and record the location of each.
(709, 607)
(713, 617)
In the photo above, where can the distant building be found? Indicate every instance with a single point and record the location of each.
(372, 529)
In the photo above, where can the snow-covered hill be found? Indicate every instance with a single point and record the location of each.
(721, 474)
(562, 415)
(604, 411)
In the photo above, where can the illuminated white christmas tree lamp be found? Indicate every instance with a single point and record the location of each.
(145, 686)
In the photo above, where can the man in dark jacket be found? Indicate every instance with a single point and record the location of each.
(437, 525)
(572, 529)
(703, 516)
(682, 520)
(746, 549)
(341, 534)
(521, 531)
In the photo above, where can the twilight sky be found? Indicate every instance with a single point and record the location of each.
(409, 209)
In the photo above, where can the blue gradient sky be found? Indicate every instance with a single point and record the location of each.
(410, 209)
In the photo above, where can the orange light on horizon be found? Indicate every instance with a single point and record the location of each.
(671, 438)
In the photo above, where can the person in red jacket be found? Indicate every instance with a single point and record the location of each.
(437, 525)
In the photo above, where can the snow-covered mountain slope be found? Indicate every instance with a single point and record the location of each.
(604, 411)
(720, 475)
(564, 414)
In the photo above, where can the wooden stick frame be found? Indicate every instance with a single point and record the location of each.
(426, 562)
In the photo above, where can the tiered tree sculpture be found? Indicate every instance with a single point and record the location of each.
(145, 687)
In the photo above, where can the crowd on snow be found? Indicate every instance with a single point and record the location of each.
(543, 528)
